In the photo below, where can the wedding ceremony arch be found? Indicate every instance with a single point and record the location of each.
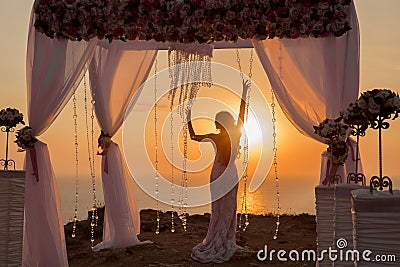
(309, 50)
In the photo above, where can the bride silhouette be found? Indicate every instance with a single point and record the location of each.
(219, 244)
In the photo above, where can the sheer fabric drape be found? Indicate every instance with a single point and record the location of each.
(313, 78)
(115, 76)
(53, 67)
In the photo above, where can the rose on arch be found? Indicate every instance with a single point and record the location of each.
(338, 151)
(331, 130)
(86, 19)
(25, 138)
(335, 133)
(104, 142)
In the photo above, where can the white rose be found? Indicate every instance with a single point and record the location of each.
(318, 26)
(373, 107)
(303, 28)
(323, 5)
(346, 114)
(361, 103)
(324, 131)
(294, 12)
(389, 103)
(396, 102)
(286, 24)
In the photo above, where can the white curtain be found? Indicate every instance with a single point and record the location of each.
(313, 78)
(115, 76)
(52, 69)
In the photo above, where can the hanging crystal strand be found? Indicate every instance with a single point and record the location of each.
(172, 89)
(246, 215)
(172, 70)
(244, 158)
(172, 170)
(93, 221)
(75, 116)
(156, 176)
(209, 71)
(93, 173)
(181, 73)
(278, 207)
(184, 180)
(189, 70)
(246, 144)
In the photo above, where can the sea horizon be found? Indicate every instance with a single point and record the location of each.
(296, 197)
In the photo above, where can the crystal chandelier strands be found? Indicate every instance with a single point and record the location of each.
(246, 143)
(90, 148)
(75, 117)
(156, 175)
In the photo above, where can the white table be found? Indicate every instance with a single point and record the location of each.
(12, 194)
(376, 225)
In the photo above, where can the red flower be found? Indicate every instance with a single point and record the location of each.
(118, 32)
(271, 17)
(282, 11)
(159, 37)
(197, 3)
(132, 35)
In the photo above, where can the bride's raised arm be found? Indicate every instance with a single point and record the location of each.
(246, 86)
(193, 135)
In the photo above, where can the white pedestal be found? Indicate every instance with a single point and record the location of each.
(343, 223)
(376, 225)
(324, 201)
(12, 193)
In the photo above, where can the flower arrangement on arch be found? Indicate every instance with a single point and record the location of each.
(335, 133)
(25, 138)
(11, 117)
(104, 142)
(188, 21)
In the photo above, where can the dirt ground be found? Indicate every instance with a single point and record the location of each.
(173, 249)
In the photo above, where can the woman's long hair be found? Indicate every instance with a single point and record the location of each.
(228, 122)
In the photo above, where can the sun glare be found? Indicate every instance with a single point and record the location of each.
(253, 130)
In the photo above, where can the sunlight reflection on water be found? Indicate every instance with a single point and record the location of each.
(296, 196)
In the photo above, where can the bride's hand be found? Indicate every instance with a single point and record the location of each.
(246, 84)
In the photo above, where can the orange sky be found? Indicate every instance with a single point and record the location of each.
(298, 155)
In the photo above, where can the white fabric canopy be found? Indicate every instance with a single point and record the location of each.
(53, 67)
(115, 76)
(313, 79)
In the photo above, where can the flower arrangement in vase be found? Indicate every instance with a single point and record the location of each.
(379, 105)
(335, 133)
(9, 119)
(354, 117)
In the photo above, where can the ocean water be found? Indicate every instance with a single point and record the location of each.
(296, 195)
